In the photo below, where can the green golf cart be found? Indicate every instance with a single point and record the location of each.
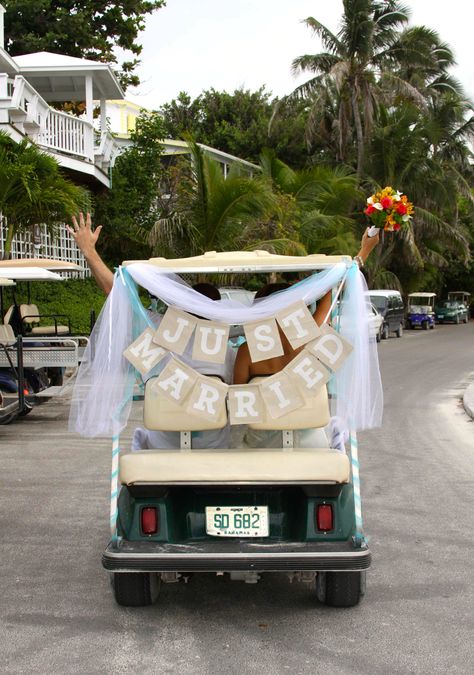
(239, 511)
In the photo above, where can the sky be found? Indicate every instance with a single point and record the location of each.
(193, 45)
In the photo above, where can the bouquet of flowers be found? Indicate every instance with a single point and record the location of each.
(389, 209)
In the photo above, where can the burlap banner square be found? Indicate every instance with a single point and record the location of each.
(207, 398)
(143, 353)
(246, 404)
(307, 373)
(174, 331)
(263, 339)
(297, 322)
(280, 395)
(210, 341)
(176, 381)
(330, 348)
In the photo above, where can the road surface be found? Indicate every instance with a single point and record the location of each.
(58, 614)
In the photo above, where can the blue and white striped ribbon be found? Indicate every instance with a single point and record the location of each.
(114, 476)
(360, 539)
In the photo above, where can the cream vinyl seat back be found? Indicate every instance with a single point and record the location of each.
(313, 414)
(162, 414)
(7, 335)
(30, 315)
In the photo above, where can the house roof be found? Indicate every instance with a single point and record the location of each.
(7, 64)
(62, 78)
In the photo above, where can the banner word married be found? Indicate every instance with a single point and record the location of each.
(250, 403)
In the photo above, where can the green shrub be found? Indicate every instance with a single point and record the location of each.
(74, 298)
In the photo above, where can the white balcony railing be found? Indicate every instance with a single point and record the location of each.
(68, 134)
(24, 106)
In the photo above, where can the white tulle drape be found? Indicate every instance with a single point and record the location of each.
(104, 386)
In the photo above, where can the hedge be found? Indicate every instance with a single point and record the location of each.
(74, 298)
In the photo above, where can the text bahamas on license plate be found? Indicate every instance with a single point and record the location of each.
(237, 521)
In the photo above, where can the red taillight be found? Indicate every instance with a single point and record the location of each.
(149, 520)
(324, 517)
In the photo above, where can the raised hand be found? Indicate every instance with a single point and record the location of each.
(83, 235)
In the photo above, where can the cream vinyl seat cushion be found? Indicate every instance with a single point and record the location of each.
(50, 330)
(302, 465)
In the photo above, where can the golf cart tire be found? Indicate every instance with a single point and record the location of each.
(457, 322)
(385, 332)
(135, 589)
(340, 589)
(399, 331)
(424, 325)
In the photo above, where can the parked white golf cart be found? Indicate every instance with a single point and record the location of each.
(42, 347)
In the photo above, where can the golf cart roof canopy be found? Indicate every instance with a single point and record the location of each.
(422, 295)
(246, 261)
(43, 263)
(29, 274)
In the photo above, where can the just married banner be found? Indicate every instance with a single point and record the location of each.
(324, 350)
(103, 392)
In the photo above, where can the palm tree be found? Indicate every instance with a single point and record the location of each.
(409, 150)
(365, 65)
(314, 204)
(32, 189)
(210, 211)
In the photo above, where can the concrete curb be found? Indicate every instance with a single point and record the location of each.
(468, 400)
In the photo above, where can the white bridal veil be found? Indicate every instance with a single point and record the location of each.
(104, 387)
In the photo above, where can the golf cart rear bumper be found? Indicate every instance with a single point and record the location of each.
(234, 555)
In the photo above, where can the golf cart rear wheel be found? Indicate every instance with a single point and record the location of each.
(385, 332)
(399, 331)
(135, 589)
(424, 325)
(339, 589)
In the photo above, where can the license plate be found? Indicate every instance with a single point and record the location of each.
(237, 521)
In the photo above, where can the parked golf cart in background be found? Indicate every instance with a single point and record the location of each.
(45, 351)
(464, 298)
(421, 310)
(10, 404)
(451, 311)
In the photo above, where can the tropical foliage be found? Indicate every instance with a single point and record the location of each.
(211, 211)
(381, 99)
(33, 189)
(380, 108)
(238, 123)
(135, 201)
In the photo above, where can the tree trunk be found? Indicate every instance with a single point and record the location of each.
(359, 132)
(8, 241)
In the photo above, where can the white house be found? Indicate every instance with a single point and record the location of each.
(83, 146)
(28, 85)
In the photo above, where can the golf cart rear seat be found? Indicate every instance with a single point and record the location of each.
(282, 465)
(30, 315)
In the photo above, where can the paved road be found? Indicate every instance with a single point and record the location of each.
(58, 614)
